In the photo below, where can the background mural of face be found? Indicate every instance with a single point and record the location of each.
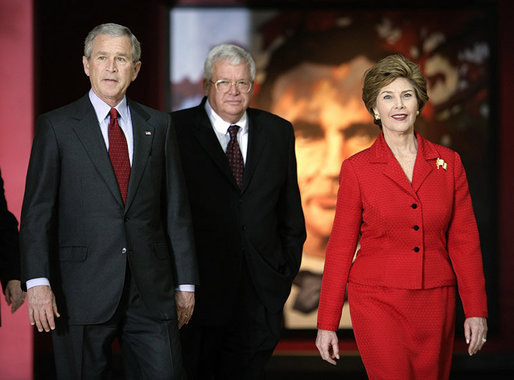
(310, 64)
(331, 123)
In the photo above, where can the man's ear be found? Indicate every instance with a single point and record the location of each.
(206, 85)
(137, 67)
(85, 63)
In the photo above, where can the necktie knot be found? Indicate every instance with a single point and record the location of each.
(232, 130)
(113, 113)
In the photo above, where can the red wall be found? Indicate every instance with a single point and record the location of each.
(16, 115)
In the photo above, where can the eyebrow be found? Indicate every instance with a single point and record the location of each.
(115, 54)
(237, 80)
(356, 128)
(352, 130)
(307, 127)
(389, 91)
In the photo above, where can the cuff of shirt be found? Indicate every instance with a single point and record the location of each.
(186, 288)
(37, 282)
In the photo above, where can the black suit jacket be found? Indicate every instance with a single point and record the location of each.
(76, 230)
(9, 253)
(260, 226)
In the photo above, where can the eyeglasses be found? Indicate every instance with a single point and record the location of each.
(224, 85)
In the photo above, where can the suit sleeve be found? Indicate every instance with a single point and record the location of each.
(292, 222)
(180, 227)
(464, 248)
(9, 249)
(38, 217)
(340, 248)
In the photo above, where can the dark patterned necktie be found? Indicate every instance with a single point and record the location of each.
(118, 152)
(235, 158)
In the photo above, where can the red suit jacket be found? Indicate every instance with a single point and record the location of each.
(412, 236)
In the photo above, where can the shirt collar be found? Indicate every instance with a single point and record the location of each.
(220, 125)
(102, 109)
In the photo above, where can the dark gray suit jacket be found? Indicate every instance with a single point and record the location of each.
(75, 229)
(260, 226)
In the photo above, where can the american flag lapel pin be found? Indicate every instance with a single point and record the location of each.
(440, 162)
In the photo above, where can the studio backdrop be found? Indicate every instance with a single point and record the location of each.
(310, 64)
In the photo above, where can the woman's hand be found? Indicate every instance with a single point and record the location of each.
(475, 331)
(327, 344)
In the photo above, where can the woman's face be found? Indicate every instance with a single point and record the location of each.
(397, 106)
(331, 124)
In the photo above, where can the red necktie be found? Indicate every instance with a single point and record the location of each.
(118, 152)
(235, 158)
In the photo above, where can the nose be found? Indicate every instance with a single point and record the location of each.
(111, 65)
(234, 90)
(334, 156)
(399, 103)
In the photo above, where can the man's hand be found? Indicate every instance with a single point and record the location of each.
(14, 295)
(42, 307)
(185, 306)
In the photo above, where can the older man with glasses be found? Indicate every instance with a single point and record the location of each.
(240, 170)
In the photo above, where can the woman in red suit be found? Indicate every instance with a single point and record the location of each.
(408, 201)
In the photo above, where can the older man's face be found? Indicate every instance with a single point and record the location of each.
(230, 105)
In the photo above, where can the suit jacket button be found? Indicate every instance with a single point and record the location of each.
(124, 250)
(414, 206)
(416, 227)
(416, 249)
(243, 227)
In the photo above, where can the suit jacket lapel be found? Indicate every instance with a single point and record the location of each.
(89, 134)
(393, 170)
(423, 167)
(256, 142)
(143, 133)
(208, 140)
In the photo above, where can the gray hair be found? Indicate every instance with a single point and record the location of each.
(235, 55)
(113, 30)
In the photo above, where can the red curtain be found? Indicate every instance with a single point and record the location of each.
(16, 125)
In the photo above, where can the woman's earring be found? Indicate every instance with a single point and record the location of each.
(377, 116)
(417, 112)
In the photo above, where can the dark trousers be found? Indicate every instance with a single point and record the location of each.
(238, 349)
(150, 348)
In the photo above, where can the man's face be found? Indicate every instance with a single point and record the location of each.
(331, 124)
(110, 68)
(229, 105)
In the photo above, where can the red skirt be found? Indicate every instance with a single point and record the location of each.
(404, 334)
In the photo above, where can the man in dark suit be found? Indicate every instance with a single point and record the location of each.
(106, 234)
(9, 255)
(240, 170)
